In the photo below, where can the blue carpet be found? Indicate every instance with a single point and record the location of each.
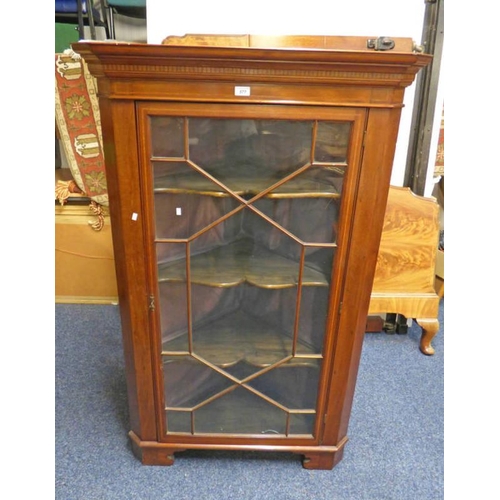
(395, 451)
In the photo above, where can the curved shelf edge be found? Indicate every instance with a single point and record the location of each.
(241, 262)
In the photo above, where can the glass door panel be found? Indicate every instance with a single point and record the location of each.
(186, 201)
(249, 156)
(293, 384)
(332, 140)
(240, 411)
(184, 371)
(312, 319)
(167, 136)
(246, 215)
(231, 335)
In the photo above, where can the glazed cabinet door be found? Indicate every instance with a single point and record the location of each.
(247, 231)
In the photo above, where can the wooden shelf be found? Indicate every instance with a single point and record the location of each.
(241, 262)
(241, 337)
(302, 186)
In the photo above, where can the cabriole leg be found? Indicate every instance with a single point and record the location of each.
(429, 329)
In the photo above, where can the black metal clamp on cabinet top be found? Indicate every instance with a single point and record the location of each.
(380, 43)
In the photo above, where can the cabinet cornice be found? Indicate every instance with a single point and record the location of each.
(325, 66)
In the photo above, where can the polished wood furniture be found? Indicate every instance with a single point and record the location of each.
(405, 274)
(248, 179)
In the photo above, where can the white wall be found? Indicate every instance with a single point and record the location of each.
(397, 18)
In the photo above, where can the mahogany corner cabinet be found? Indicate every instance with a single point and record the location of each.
(248, 178)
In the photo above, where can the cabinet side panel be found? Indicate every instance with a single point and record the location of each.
(120, 148)
(367, 226)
